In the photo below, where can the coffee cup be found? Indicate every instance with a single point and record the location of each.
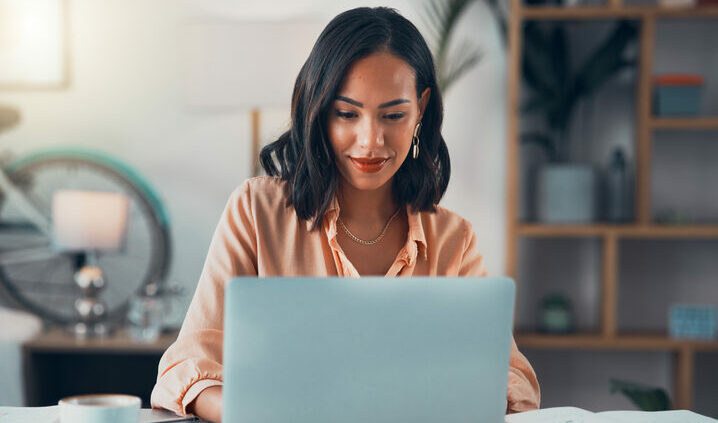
(100, 408)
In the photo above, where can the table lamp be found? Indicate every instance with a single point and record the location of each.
(89, 223)
(246, 65)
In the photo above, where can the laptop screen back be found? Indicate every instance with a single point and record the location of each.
(320, 350)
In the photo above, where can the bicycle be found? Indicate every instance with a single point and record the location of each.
(38, 277)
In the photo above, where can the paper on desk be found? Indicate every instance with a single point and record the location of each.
(673, 416)
(51, 415)
(553, 415)
(578, 415)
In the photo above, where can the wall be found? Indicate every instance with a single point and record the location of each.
(126, 97)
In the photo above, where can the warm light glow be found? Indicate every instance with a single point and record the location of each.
(89, 220)
(31, 42)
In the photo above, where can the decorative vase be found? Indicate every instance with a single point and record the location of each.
(556, 316)
(567, 194)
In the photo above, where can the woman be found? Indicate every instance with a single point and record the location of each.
(353, 190)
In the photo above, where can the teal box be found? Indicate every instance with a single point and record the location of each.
(692, 322)
(677, 100)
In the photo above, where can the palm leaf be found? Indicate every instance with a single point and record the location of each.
(606, 60)
(538, 67)
(542, 141)
(441, 17)
(465, 59)
(501, 19)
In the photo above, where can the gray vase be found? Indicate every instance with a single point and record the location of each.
(566, 194)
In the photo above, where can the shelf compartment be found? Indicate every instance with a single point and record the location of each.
(655, 275)
(570, 267)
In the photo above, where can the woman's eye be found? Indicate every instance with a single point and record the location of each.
(345, 115)
(394, 116)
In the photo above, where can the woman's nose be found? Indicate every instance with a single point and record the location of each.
(370, 134)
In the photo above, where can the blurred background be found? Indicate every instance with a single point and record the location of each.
(582, 136)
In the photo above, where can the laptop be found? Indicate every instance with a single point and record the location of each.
(367, 350)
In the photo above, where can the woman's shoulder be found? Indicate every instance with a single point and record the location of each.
(261, 192)
(445, 223)
(260, 186)
(447, 218)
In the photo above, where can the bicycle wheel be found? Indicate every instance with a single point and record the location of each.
(40, 278)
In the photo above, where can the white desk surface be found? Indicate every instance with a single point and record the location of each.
(549, 415)
(51, 415)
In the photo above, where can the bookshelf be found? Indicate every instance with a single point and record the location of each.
(609, 235)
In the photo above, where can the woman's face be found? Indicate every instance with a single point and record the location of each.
(372, 120)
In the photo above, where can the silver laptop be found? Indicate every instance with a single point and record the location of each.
(368, 350)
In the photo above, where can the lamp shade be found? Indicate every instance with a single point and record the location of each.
(89, 220)
(245, 64)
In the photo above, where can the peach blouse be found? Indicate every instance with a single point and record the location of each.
(258, 235)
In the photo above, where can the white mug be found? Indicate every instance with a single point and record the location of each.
(100, 408)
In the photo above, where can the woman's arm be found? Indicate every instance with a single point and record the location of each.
(208, 404)
(523, 388)
(192, 365)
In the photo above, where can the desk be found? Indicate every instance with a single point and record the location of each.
(52, 415)
(57, 365)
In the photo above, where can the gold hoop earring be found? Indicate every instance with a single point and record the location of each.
(415, 141)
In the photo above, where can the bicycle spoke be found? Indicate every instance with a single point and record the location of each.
(27, 255)
(40, 287)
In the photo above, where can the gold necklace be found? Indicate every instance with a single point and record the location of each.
(372, 241)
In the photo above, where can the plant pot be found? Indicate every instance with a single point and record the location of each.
(567, 194)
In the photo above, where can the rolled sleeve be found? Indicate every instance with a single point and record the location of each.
(195, 389)
(523, 388)
(524, 393)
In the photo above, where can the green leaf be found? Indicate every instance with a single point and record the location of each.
(501, 20)
(464, 59)
(559, 53)
(606, 60)
(536, 104)
(543, 141)
(646, 398)
(538, 67)
(441, 17)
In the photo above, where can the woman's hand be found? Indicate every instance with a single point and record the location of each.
(208, 404)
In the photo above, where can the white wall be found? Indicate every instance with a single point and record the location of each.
(126, 98)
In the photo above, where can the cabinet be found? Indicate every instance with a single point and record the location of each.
(57, 365)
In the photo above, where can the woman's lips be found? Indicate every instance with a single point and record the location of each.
(368, 165)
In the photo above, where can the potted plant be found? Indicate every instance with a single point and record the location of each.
(566, 191)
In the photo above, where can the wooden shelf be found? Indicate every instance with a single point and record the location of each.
(702, 123)
(626, 12)
(655, 342)
(58, 340)
(621, 231)
(576, 231)
(608, 337)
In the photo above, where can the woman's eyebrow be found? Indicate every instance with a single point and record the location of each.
(381, 106)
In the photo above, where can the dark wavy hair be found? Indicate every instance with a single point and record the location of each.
(303, 156)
